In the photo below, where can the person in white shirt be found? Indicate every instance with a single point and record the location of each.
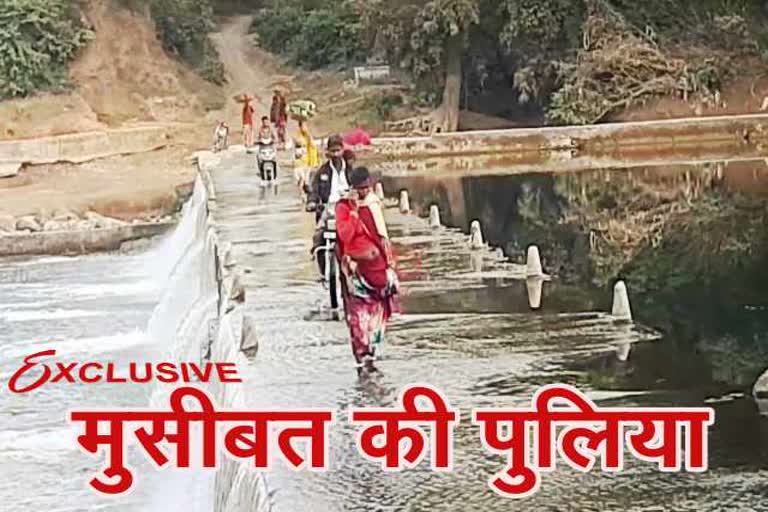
(331, 180)
(220, 136)
(339, 184)
(329, 184)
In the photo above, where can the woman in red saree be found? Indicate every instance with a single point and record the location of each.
(369, 281)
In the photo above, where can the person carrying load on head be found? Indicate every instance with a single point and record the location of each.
(278, 115)
(247, 117)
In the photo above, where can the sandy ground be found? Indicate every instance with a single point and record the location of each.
(124, 78)
(127, 187)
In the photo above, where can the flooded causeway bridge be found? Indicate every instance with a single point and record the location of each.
(470, 330)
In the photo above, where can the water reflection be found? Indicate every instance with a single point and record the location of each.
(689, 239)
(470, 331)
(534, 286)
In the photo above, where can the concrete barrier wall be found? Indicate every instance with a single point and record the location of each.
(747, 129)
(82, 147)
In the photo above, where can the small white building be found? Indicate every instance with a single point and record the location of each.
(371, 73)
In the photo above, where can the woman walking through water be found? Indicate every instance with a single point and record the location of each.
(369, 282)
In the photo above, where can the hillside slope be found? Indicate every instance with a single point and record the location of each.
(122, 77)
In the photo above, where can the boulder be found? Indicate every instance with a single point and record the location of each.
(28, 223)
(135, 246)
(7, 223)
(43, 216)
(54, 225)
(63, 215)
(100, 221)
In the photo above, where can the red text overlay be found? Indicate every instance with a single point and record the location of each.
(38, 370)
(588, 432)
(562, 421)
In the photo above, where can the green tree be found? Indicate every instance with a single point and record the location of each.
(37, 40)
(183, 26)
(578, 61)
(310, 36)
(429, 39)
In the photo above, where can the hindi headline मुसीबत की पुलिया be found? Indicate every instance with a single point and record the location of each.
(588, 433)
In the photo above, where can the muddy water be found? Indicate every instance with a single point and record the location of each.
(468, 329)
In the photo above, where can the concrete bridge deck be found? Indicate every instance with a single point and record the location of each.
(449, 336)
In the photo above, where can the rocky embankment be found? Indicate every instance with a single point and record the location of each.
(67, 233)
(67, 220)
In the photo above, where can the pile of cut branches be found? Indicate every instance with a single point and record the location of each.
(620, 66)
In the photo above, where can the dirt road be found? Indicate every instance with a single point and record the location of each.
(246, 72)
(139, 185)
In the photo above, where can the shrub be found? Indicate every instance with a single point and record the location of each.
(183, 27)
(384, 105)
(37, 40)
(277, 28)
(313, 38)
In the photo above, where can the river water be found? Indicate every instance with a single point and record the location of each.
(88, 309)
(468, 329)
(111, 308)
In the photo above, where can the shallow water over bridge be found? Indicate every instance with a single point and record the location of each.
(468, 329)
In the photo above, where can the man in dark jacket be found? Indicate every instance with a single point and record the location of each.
(330, 181)
(328, 184)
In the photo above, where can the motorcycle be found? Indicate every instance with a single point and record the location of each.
(220, 138)
(325, 256)
(266, 160)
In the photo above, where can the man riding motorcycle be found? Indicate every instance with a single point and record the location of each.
(328, 184)
(331, 180)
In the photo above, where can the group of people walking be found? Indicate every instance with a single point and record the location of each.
(369, 283)
(278, 117)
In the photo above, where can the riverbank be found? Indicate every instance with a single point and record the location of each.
(135, 168)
